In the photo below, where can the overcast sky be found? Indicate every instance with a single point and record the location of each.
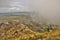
(13, 5)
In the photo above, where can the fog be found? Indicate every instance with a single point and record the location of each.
(47, 11)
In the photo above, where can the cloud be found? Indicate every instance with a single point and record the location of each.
(49, 10)
(13, 5)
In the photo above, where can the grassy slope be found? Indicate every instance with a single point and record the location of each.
(24, 31)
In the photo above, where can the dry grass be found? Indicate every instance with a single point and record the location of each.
(18, 30)
(22, 32)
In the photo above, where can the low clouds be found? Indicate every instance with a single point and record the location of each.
(49, 10)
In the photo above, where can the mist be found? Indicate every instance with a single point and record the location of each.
(47, 11)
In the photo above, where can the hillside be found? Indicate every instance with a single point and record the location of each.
(24, 28)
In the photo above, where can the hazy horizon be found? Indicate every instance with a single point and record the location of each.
(46, 10)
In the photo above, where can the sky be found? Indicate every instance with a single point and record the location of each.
(13, 5)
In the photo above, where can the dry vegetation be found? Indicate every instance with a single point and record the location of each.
(22, 28)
